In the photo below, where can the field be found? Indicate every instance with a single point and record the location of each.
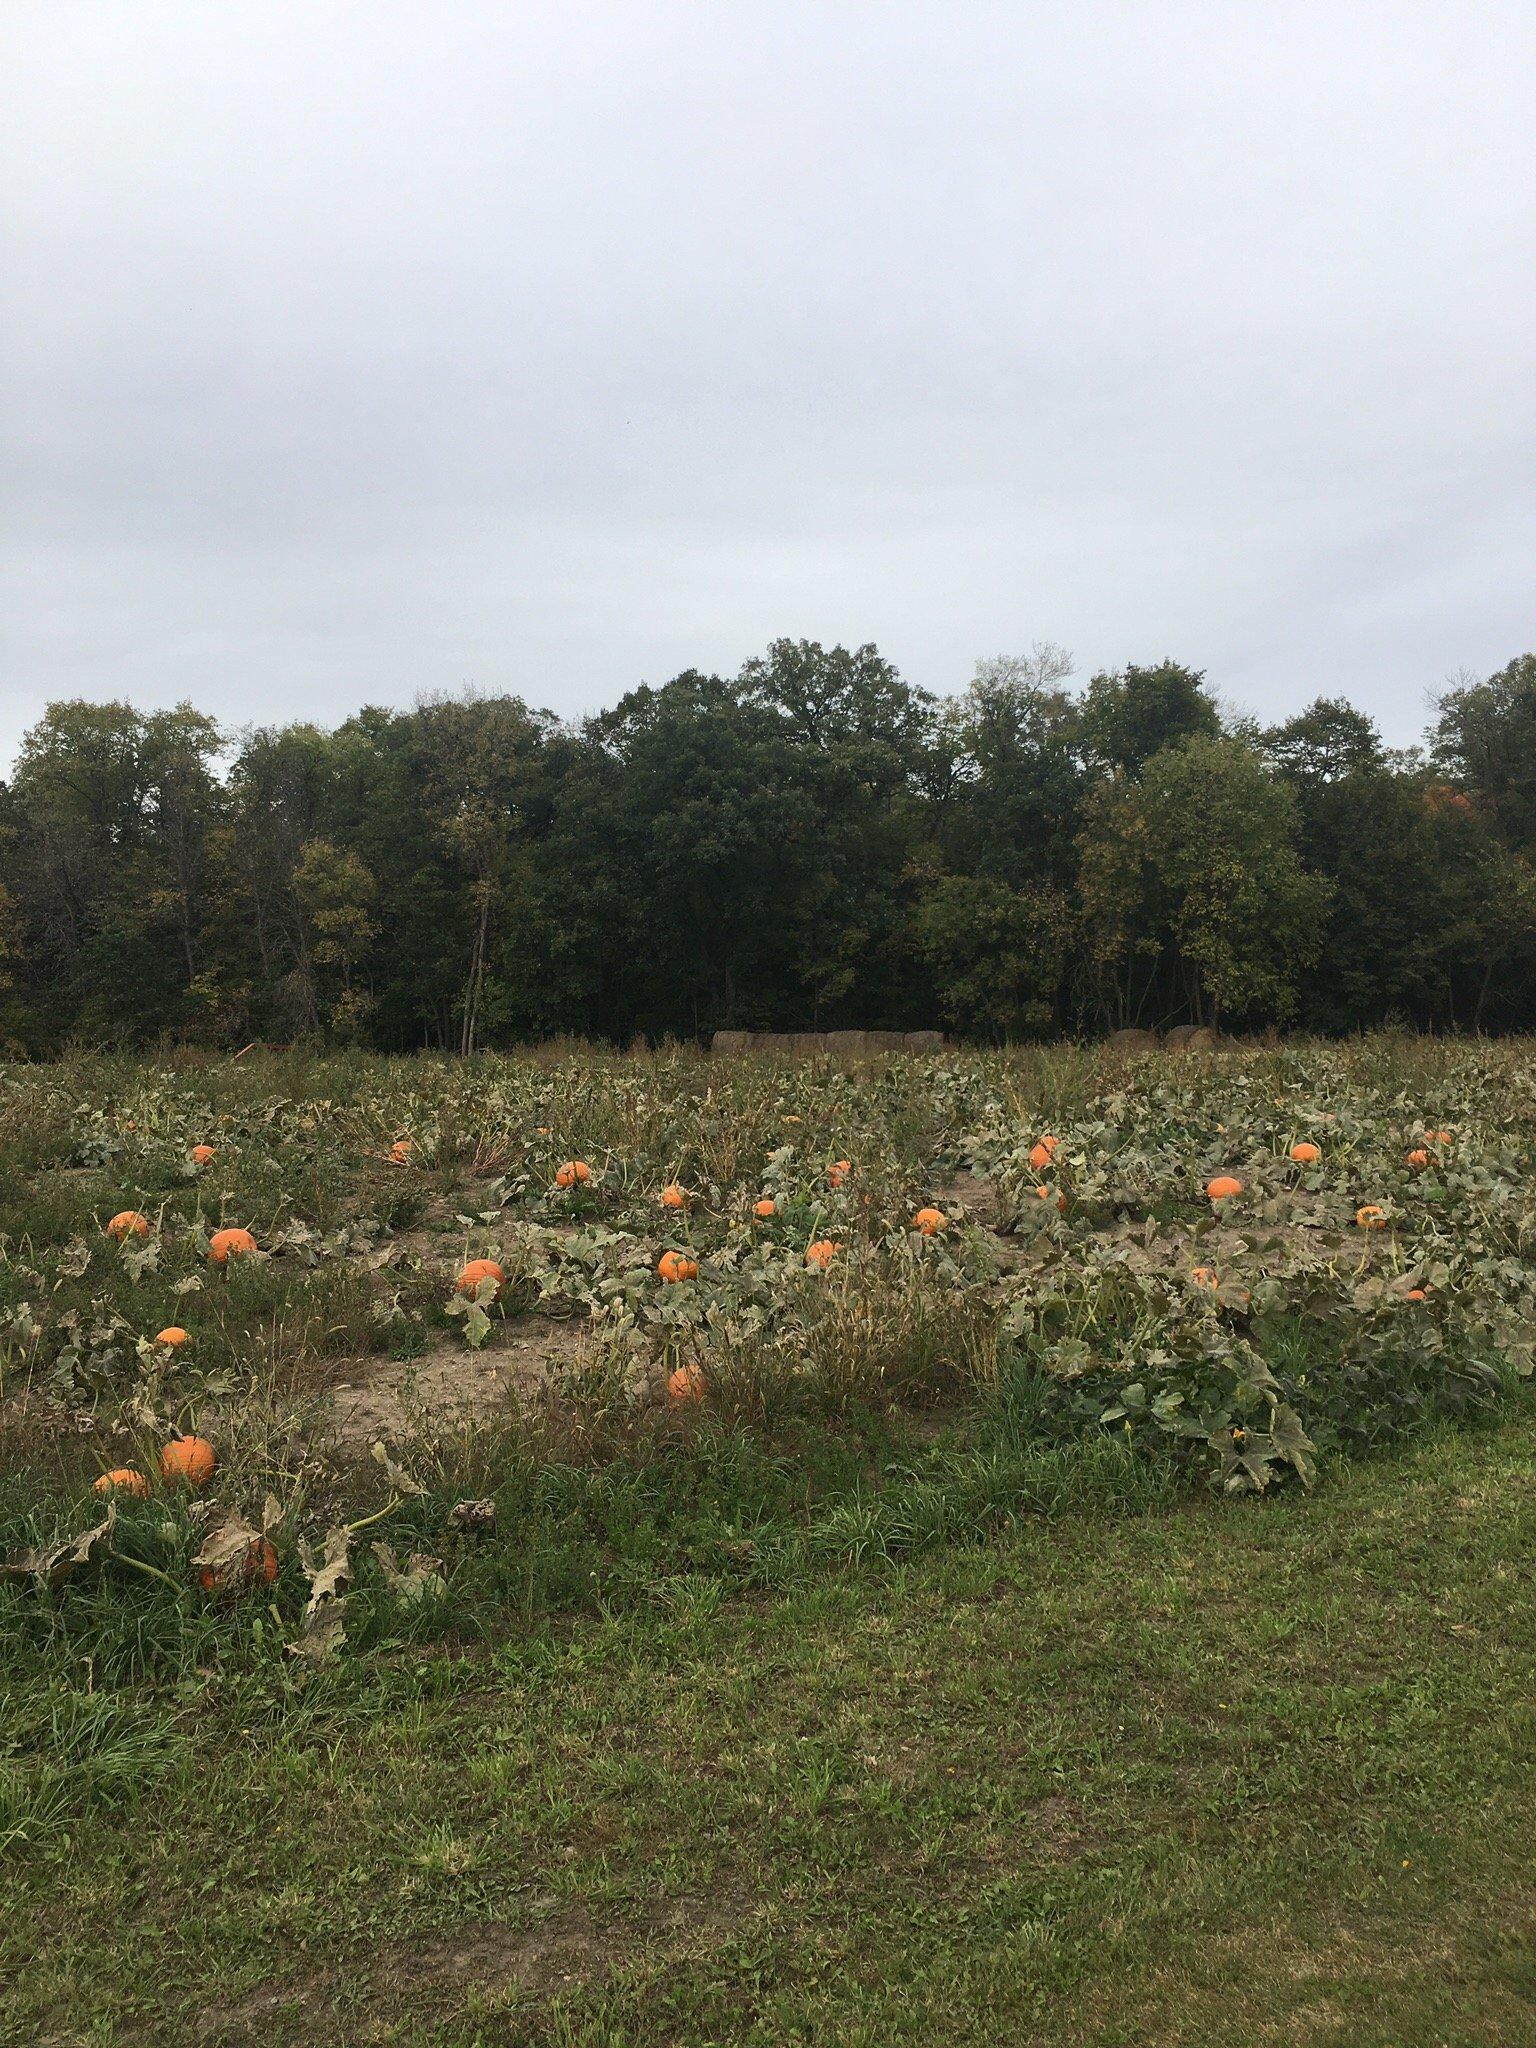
(1019, 1546)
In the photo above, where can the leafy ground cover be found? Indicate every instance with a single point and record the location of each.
(989, 1622)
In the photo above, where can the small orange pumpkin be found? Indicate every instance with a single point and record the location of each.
(1206, 1276)
(225, 1245)
(1416, 1294)
(1370, 1216)
(821, 1253)
(123, 1480)
(674, 1266)
(929, 1221)
(476, 1273)
(173, 1336)
(1223, 1187)
(1043, 1153)
(1045, 1195)
(1306, 1154)
(765, 1208)
(572, 1174)
(685, 1385)
(203, 1155)
(128, 1223)
(190, 1459)
(674, 1196)
(258, 1567)
(400, 1152)
(1437, 1137)
(1418, 1157)
(838, 1172)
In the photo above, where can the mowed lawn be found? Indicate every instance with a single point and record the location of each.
(1243, 1771)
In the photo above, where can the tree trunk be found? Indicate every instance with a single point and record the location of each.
(1482, 998)
(474, 989)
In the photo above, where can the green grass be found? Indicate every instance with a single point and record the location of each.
(1213, 1772)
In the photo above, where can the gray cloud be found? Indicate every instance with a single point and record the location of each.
(357, 350)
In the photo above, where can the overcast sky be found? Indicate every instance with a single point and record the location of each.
(355, 351)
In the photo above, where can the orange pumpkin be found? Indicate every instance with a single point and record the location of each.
(572, 1174)
(1371, 1217)
(400, 1152)
(1042, 1154)
(673, 1196)
(1205, 1276)
(258, 1567)
(128, 1223)
(202, 1155)
(929, 1221)
(1437, 1137)
(838, 1172)
(1416, 1294)
(1223, 1187)
(765, 1208)
(225, 1245)
(1418, 1157)
(190, 1459)
(821, 1253)
(1045, 1195)
(475, 1274)
(1306, 1154)
(685, 1385)
(173, 1336)
(123, 1480)
(673, 1266)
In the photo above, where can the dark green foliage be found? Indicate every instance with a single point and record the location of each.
(812, 844)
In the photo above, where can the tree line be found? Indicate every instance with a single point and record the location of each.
(811, 844)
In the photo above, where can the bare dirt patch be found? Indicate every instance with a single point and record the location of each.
(451, 1384)
(978, 1197)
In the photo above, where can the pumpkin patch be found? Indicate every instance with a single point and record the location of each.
(1163, 1263)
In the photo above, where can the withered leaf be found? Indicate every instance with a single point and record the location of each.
(419, 1578)
(74, 1258)
(323, 1632)
(51, 1563)
(230, 1555)
(398, 1477)
(329, 1574)
(141, 1256)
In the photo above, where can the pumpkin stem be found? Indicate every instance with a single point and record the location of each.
(152, 1570)
(379, 1515)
